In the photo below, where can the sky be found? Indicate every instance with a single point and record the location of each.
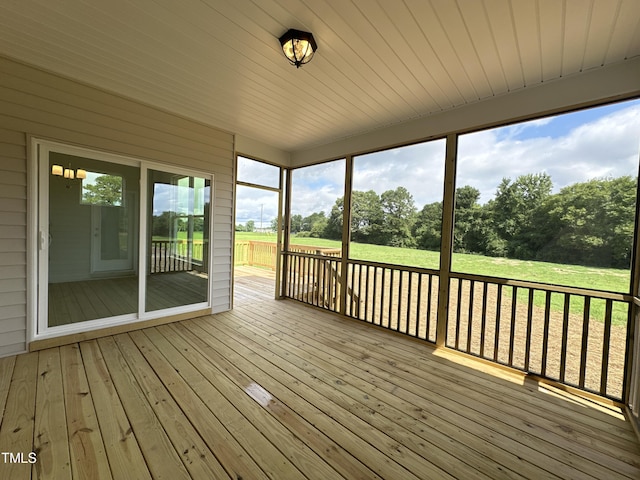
(575, 147)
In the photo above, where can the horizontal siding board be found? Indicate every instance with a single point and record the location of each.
(12, 137)
(13, 150)
(138, 122)
(13, 164)
(12, 178)
(13, 258)
(13, 298)
(13, 349)
(12, 338)
(80, 121)
(13, 218)
(220, 308)
(13, 231)
(66, 135)
(13, 285)
(12, 311)
(13, 272)
(84, 91)
(13, 191)
(12, 325)
(17, 205)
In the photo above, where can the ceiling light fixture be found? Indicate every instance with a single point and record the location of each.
(298, 47)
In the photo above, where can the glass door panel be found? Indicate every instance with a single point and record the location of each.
(92, 239)
(178, 240)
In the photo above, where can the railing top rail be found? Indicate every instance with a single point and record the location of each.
(310, 255)
(394, 266)
(547, 287)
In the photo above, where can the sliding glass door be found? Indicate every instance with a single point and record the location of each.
(120, 240)
(178, 239)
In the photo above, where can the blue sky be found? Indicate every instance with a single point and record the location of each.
(575, 147)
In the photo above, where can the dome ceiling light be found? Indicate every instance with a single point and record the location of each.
(298, 47)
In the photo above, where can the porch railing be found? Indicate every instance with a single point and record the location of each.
(574, 336)
(175, 256)
(263, 254)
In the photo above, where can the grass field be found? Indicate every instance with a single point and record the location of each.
(607, 279)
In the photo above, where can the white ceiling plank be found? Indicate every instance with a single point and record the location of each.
(380, 63)
(425, 63)
(551, 13)
(603, 22)
(527, 26)
(625, 32)
(502, 29)
(437, 36)
(482, 42)
(577, 17)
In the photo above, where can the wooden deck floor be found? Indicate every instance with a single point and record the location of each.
(275, 389)
(73, 302)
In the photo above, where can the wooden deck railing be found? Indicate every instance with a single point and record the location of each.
(175, 255)
(571, 335)
(314, 279)
(403, 299)
(263, 254)
(575, 336)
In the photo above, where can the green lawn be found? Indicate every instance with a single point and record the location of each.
(607, 279)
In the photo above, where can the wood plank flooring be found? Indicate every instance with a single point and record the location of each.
(73, 302)
(278, 390)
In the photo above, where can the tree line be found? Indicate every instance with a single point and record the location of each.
(589, 223)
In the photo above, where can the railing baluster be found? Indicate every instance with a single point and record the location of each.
(374, 299)
(527, 351)
(545, 337)
(429, 294)
(353, 284)
(512, 330)
(604, 372)
(366, 294)
(496, 339)
(400, 295)
(565, 332)
(419, 309)
(585, 340)
(383, 283)
(359, 299)
(472, 288)
(389, 320)
(483, 322)
(458, 313)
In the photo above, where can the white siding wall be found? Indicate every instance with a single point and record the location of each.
(13, 234)
(33, 102)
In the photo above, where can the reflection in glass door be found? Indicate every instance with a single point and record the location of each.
(178, 240)
(92, 238)
(118, 241)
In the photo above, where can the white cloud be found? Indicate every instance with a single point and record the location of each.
(605, 146)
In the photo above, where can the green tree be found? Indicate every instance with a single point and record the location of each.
(161, 224)
(589, 223)
(296, 223)
(399, 215)
(106, 190)
(366, 218)
(314, 222)
(427, 229)
(250, 226)
(514, 207)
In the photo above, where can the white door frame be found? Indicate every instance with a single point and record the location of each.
(38, 234)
